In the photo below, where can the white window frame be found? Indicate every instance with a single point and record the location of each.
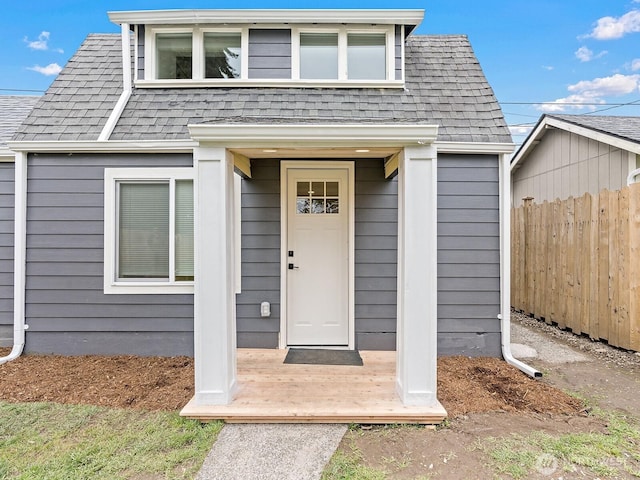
(112, 176)
(343, 31)
(197, 52)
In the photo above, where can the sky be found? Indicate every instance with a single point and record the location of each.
(540, 56)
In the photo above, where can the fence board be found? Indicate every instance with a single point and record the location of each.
(576, 263)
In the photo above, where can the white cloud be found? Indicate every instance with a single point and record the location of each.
(550, 67)
(592, 92)
(520, 130)
(635, 63)
(584, 54)
(51, 69)
(41, 43)
(608, 28)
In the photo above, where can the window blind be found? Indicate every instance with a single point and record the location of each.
(143, 230)
(184, 230)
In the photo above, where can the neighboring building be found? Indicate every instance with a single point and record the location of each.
(370, 214)
(570, 155)
(13, 110)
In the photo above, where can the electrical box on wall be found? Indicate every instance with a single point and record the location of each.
(265, 309)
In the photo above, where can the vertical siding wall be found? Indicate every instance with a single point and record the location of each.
(468, 255)
(140, 52)
(376, 257)
(564, 164)
(6, 252)
(398, 51)
(269, 53)
(67, 311)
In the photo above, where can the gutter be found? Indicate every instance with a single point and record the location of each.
(19, 258)
(505, 270)
(127, 87)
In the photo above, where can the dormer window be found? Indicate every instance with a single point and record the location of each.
(319, 56)
(366, 56)
(174, 56)
(344, 54)
(222, 55)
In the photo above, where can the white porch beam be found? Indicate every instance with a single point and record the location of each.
(214, 299)
(417, 279)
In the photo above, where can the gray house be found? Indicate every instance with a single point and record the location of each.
(13, 110)
(215, 179)
(570, 155)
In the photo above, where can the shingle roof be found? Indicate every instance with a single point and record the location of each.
(623, 127)
(13, 110)
(444, 85)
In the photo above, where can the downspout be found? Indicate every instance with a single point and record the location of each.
(111, 122)
(19, 257)
(505, 269)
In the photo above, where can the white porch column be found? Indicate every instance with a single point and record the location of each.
(417, 277)
(214, 298)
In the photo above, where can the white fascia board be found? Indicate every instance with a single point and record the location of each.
(473, 147)
(281, 16)
(534, 136)
(313, 135)
(142, 146)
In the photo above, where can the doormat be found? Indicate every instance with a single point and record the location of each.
(323, 357)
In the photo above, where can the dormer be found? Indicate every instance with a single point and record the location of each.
(269, 48)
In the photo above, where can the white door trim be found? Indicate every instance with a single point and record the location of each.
(285, 165)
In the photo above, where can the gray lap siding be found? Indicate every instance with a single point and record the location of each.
(468, 255)
(68, 312)
(66, 309)
(6, 252)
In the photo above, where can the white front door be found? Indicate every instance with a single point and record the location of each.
(317, 257)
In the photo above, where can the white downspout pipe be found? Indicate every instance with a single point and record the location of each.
(505, 269)
(19, 257)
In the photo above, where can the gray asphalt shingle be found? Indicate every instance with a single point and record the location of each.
(13, 110)
(444, 85)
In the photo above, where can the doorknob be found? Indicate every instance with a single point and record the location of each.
(292, 266)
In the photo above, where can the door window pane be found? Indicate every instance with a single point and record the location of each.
(222, 55)
(143, 239)
(319, 55)
(184, 230)
(314, 197)
(366, 56)
(174, 55)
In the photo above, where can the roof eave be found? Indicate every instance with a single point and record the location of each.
(282, 16)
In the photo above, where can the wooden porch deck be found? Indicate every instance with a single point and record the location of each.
(271, 392)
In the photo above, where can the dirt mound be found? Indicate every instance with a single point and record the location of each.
(476, 385)
(465, 385)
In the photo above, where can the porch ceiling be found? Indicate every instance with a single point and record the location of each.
(317, 152)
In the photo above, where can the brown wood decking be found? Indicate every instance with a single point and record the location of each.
(271, 392)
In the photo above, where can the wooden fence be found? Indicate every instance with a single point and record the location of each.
(577, 263)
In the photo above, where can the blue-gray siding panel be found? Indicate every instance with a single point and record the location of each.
(376, 240)
(468, 255)
(260, 256)
(140, 52)
(6, 248)
(66, 308)
(269, 53)
(398, 52)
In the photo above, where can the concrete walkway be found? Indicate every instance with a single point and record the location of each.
(265, 452)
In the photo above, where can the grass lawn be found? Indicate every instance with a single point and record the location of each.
(54, 441)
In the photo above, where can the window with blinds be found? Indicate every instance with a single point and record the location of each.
(155, 234)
